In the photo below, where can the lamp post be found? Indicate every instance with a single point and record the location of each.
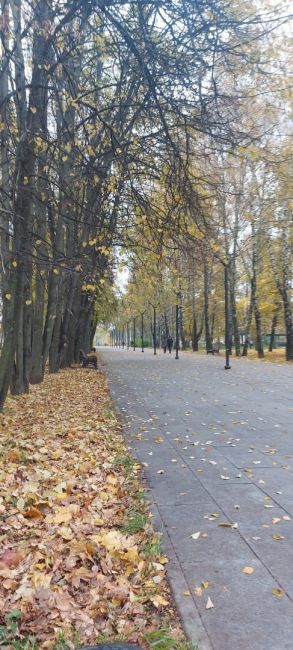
(134, 333)
(123, 335)
(227, 319)
(177, 326)
(128, 334)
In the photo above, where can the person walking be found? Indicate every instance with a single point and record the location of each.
(169, 344)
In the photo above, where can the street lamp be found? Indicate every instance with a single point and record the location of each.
(123, 335)
(128, 334)
(178, 295)
(227, 319)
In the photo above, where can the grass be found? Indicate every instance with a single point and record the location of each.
(161, 639)
(134, 522)
(276, 356)
(153, 548)
(10, 636)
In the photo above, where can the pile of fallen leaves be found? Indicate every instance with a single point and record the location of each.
(78, 557)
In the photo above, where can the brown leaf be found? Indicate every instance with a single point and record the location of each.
(32, 513)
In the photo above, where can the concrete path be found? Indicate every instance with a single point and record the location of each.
(217, 450)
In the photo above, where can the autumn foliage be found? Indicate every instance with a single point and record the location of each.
(77, 544)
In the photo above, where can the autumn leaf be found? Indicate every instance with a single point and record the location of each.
(278, 593)
(195, 535)
(248, 570)
(11, 558)
(159, 601)
(209, 604)
(33, 513)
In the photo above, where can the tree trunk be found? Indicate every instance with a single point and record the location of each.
(248, 326)
(273, 328)
(289, 326)
(233, 308)
(208, 337)
(257, 318)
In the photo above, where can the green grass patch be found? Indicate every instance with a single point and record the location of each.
(135, 521)
(161, 639)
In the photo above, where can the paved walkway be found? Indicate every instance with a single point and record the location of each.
(217, 448)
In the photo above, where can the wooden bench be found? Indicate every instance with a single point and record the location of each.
(213, 351)
(87, 360)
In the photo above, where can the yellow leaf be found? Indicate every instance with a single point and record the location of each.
(28, 302)
(205, 584)
(248, 570)
(131, 555)
(41, 580)
(33, 109)
(198, 591)
(186, 593)
(8, 296)
(66, 533)
(159, 601)
(277, 592)
(14, 264)
(112, 541)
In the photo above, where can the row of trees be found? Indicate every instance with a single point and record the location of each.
(111, 115)
(248, 228)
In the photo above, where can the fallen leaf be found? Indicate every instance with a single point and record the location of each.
(11, 558)
(248, 570)
(278, 593)
(32, 513)
(209, 604)
(198, 591)
(195, 535)
(159, 601)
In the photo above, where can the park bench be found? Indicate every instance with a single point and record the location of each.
(214, 350)
(87, 360)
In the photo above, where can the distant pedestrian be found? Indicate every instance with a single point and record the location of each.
(164, 344)
(169, 344)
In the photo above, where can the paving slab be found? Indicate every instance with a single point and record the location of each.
(216, 451)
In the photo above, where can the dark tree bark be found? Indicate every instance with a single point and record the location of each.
(209, 343)
(247, 327)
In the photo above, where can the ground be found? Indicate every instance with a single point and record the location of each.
(217, 450)
(79, 560)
